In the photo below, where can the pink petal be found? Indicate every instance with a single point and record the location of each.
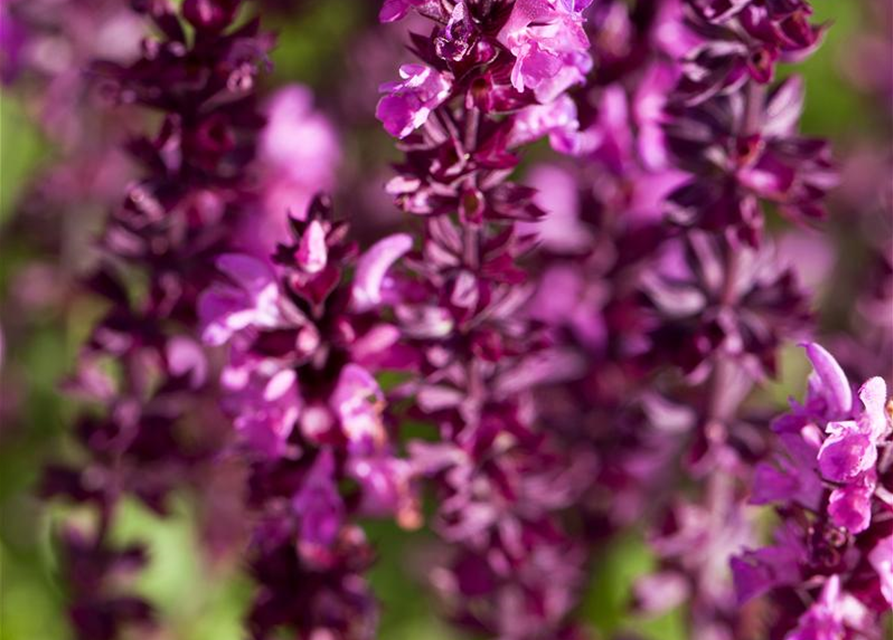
(312, 253)
(846, 453)
(835, 386)
(881, 559)
(184, 356)
(850, 507)
(873, 395)
(372, 268)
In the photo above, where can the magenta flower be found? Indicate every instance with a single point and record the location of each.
(393, 10)
(829, 489)
(557, 119)
(408, 103)
(825, 618)
(757, 572)
(266, 406)
(830, 393)
(849, 454)
(250, 298)
(319, 504)
(736, 161)
(303, 348)
(357, 401)
(850, 506)
(548, 362)
(298, 155)
(550, 46)
(149, 433)
(881, 559)
(372, 267)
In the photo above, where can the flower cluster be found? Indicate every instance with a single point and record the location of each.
(141, 366)
(501, 480)
(831, 484)
(656, 262)
(45, 49)
(532, 367)
(304, 341)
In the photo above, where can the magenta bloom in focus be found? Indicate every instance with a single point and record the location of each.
(550, 44)
(409, 102)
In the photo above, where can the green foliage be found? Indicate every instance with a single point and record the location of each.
(606, 605)
(196, 601)
(21, 150)
(310, 49)
(832, 107)
(406, 609)
(30, 607)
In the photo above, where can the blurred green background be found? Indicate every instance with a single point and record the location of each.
(194, 606)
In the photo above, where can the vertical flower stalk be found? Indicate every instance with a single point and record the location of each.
(305, 336)
(492, 77)
(45, 47)
(141, 367)
(662, 272)
(830, 569)
(733, 134)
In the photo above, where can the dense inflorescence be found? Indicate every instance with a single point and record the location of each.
(141, 367)
(829, 570)
(304, 342)
(690, 141)
(532, 369)
(489, 74)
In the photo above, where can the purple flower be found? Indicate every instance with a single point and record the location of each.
(850, 506)
(846, 453)
(298, 154)
(458, 36)
(298, 140)
(828, 488)
(742, 149)
(881, 559)
(319, 505)
(849, 454)
(550, 46)
(357, 401)
(149, 433)
(825, 618)
(659, 592)
(408, 103)
(185, 357)
(741, 41)
(250, 298)
(387, 488)
(577, 362)
(210, 15)
(393, 10)
(556, 119)
(266, 407)
(758, 572)
(793, 477)
(308, 411)
(372, 267)
(690, 292)
(830, 393)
